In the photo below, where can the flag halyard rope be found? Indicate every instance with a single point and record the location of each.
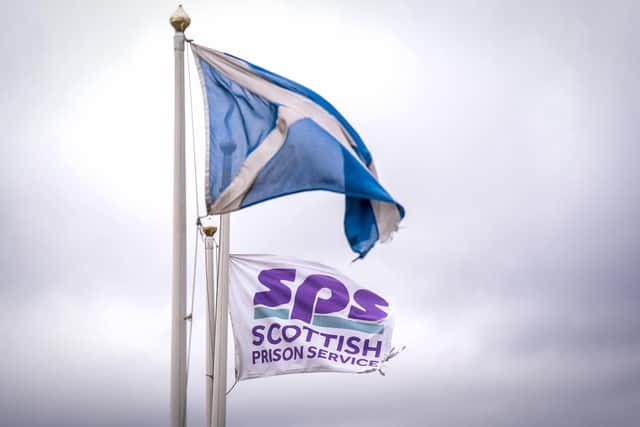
(193, 137)
(189, 316)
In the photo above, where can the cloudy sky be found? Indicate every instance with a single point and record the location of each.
(508, 130)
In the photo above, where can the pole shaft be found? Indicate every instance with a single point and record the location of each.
(221, 325)
(210, 327)
(179, 266)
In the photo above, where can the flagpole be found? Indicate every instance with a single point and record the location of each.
(219, 415)
(218, 418)
(179, 21)
(209, 230)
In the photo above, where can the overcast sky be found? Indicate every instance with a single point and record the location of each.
(508, 130)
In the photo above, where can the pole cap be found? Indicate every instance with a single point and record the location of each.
(209, 230)
(206, 225)
(180, 20)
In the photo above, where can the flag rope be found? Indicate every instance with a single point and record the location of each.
(193, 135)
(233, 385)
(189, 316)
(392, 353)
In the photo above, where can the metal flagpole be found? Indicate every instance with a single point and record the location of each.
(209, 230)
(218, 418)
(221, 325)
(179, 21)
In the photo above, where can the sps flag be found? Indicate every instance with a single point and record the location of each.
(291, 316)
(269, 136)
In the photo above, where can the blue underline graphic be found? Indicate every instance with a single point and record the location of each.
(325, 321)
(338, 322)
(265, 312)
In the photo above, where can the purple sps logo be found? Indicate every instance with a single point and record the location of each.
(309, 300)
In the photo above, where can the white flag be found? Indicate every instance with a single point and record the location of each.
(292, 316)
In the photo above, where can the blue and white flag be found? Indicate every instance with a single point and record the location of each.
(270, 137)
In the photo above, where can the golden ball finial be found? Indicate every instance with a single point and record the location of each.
(180, 20)
(206, 225)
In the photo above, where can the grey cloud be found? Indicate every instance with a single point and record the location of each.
(514, 277)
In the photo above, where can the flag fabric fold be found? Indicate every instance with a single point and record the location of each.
(269, 137)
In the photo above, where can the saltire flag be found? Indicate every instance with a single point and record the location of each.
(269, 137)
(293, 316)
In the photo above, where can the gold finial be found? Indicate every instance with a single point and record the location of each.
(206, 225)
(180, 20)
(209, 230)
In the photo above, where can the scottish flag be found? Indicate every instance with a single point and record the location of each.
(269, 137)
